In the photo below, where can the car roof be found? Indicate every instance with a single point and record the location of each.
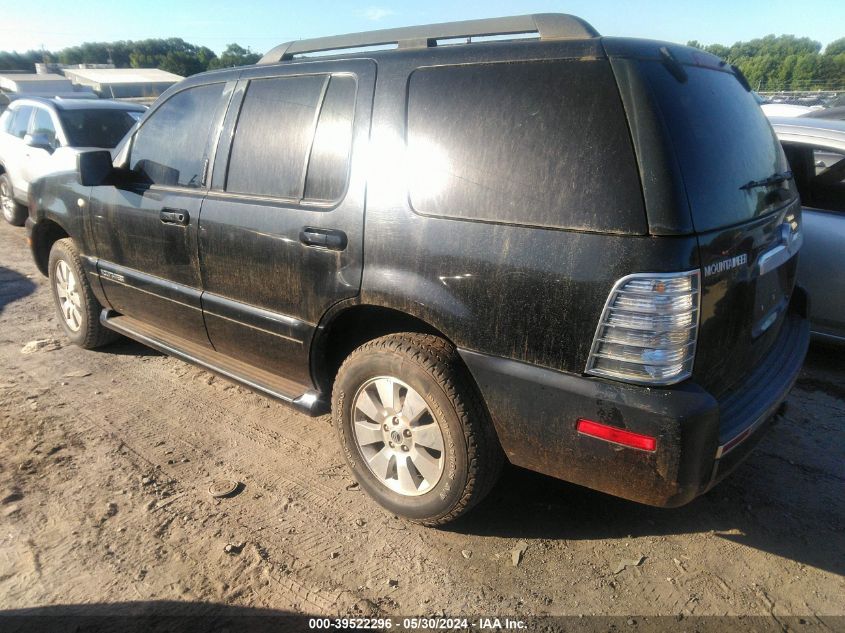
(59, 103)
(798, 129)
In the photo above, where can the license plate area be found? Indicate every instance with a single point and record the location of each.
(772, 291)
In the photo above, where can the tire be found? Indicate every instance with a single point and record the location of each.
(77, 307)
(13, 212)
(422, 369)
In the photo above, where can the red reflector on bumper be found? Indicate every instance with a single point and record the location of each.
(616, 435)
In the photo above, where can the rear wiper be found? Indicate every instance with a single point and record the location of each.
(774, 179)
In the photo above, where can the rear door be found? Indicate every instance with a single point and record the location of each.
(282, 227)
(145, 229)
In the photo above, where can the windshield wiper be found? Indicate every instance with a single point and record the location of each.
(774, 179)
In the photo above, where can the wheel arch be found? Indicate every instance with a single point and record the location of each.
(44, 234)
(349, 326)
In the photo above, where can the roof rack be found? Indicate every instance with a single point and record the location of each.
(549, 26)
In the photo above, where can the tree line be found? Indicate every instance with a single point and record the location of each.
(174, 55)
(782, 62)
(786, 62)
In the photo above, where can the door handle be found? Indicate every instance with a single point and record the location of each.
(331, 239)
(174, 216)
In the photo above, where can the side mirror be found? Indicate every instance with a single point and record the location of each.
(39, 140)
(94, 168)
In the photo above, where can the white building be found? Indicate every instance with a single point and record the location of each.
(123, 83)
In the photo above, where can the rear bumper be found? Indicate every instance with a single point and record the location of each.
(699, 438)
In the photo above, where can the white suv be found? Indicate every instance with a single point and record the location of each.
(40, 136)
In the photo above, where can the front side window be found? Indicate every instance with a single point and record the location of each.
(20, 124)
(42, 124)
(170, 148)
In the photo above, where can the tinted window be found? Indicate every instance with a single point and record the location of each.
(819, 174)
(20, 123)
(273, 135)
(328, 164)
(96, 128)
(42, 123)
(170, 148)
(722, 141)
(540, 143)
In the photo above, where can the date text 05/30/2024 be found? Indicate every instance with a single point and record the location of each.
(482, 624)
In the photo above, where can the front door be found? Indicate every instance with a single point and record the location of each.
(145, 229)
(37, 161)
(281, 233)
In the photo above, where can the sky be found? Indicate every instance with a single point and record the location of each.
(261, 24)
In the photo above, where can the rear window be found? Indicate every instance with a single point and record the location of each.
(722, 141)
(96, 128)
(534, 143)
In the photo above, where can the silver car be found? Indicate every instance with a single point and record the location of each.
(39, 136)
(816, 152)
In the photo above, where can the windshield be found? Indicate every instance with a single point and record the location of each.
(97, 128)
(732, 164)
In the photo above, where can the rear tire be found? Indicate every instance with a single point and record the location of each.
(76, 305)
(396, 400)
(13, 212)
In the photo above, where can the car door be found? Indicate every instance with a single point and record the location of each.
(15, 150)
(819, 172)
(281, 230)
(42, 127)
(145, 229)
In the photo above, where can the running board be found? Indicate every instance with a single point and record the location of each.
(279, 388)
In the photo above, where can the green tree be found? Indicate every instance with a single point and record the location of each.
(836, 47)
(234, 55)
(21, 61)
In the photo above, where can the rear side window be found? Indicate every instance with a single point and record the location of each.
(329, 160)
(20, 123)
(170, 148)
(536, 143)
(293, 138)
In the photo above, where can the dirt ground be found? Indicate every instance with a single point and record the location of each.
(106, 459)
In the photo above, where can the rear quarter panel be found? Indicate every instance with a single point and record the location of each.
(520, 292)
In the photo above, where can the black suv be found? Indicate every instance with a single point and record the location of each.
(572, 252)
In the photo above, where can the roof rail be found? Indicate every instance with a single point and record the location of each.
(549, 26)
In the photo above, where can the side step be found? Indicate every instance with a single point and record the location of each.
(279, 388)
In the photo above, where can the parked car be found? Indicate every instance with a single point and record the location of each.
(816, 152)
(837, 113)
(573, 252)
(43, 135)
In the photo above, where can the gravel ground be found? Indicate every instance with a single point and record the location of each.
(106, 459)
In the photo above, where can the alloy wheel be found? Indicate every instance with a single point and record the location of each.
(70, 302)
(398, 436)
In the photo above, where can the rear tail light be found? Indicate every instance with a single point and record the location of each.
(648, 329)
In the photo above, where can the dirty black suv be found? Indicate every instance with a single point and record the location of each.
(570, 252)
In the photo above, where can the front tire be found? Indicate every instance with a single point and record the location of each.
(13, 212)
(76, 305)
(413, 428)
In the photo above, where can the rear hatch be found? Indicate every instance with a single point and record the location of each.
(743, 207)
